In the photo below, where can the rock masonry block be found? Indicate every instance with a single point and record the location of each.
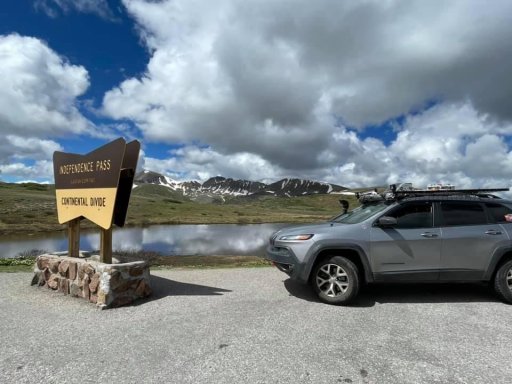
(106, 285)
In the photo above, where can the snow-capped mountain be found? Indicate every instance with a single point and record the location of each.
(223, 186)
(300, 187)
(220, 186)
(150, 177)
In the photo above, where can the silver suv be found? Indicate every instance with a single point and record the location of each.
(418, 236)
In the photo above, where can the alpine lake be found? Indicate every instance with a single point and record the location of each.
(167, 240)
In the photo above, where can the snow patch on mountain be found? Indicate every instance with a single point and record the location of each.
(220, 186)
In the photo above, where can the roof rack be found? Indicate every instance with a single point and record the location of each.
(405, 190)
(478, 192)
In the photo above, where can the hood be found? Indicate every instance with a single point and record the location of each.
(306, 229)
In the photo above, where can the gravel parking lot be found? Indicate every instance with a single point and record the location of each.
(254, 326)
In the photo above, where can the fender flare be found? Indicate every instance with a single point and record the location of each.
(352, 247)
(495, 259)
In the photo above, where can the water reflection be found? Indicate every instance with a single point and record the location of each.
(216, 239)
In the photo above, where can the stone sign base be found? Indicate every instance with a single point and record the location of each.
(106, 285)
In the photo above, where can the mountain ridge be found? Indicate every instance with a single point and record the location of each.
(221, 186)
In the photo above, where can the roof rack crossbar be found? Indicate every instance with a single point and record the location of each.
(405, 190)
(451, 191)
(481, 192)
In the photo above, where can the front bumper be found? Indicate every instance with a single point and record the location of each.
(284, 259)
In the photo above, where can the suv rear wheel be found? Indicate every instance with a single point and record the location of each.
(336, 280)
(503, 282)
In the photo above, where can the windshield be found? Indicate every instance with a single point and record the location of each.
(360, 213)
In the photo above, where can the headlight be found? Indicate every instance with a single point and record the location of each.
(296, 237)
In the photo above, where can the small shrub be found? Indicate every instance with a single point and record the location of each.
(35, 187)
(173, 201)
(18, 261)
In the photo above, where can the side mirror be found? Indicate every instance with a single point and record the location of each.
(386, 221)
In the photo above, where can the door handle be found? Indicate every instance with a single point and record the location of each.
(493, 232)
(429, 234)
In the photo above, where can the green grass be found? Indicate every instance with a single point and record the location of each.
(17, 261)
(156, 261)
(18, 264)
(30, 208)
(27, 208)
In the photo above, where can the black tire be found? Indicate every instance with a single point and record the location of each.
(336, 280)
(503, 282)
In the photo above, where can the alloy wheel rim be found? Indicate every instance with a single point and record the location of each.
(509, 279)
(333, 281)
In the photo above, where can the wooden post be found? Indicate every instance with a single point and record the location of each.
(106, 246)
(74, 238)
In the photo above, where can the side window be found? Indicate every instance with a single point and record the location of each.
(500, 213)
(462, 213)
(413, 215)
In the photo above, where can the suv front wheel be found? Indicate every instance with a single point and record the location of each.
(503, 282)
(336, 280)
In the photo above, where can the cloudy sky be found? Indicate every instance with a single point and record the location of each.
(356, 93)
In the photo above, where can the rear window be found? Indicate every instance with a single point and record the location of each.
(462, 213)
(500, 213)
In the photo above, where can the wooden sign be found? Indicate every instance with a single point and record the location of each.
(124, 188)
(88, 185)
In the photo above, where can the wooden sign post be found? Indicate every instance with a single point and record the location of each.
(106, 246)
(74, 237)
(96, 186)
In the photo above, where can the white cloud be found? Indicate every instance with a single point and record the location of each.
(41, 170)
(53, 8)
(32, 181)
(196, 163)
(444, 138)
(38, 103)
(17, 147)
(447, 143)
(27, 157)
(38, 89)
(257, 89)
(488, 157)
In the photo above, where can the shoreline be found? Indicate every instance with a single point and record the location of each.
(91, 227)
(157, 262)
